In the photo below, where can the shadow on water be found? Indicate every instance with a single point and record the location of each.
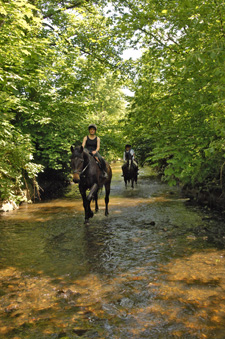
(154, 268)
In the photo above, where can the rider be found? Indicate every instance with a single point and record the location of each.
(92, 143)
(129, 150)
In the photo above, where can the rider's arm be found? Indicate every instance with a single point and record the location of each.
(84, 141)
(132, 153)
(98, 144)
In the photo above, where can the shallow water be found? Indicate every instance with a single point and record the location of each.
(154, 268)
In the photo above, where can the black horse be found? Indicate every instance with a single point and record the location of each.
(130, 170)
(87, 173)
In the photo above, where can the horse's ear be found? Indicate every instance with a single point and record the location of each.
(72, 149)
(81, 149)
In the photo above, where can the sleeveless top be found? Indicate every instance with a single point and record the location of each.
(91, 145)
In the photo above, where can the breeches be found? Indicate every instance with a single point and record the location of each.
(102, 161)
(100, 158)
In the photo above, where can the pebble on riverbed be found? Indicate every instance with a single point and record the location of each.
(150, 223)
(191, 237)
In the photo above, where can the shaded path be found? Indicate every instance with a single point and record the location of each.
(149, 270)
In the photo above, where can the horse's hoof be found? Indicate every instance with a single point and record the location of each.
(91, 214)
(86, 222)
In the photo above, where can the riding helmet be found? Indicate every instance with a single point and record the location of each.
(92, 126)
(127, 145)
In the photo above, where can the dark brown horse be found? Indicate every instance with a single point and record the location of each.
(130, 171)
(88, 174)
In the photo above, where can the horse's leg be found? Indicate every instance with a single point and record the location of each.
(88, 211)
(136, 179)
(132, 177)
(92, 192)
(107, 192)
(125, 180)
(96, 202)
(128, 177)
(85, 205)
(90, 214)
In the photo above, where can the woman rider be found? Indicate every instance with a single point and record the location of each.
(92, 143)
(129, 150)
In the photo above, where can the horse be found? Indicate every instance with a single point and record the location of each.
(87, 173)
(130, 170)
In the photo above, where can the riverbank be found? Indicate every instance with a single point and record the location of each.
(213, 197)
(6, 206)
(54, 187)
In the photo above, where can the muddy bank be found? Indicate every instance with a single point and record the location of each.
(49, 187)
(213, 197)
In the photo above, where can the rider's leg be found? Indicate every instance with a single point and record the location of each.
(102, 165)
(135, 164)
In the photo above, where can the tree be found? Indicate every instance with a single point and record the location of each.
(51, 55)
(18, 34)
(179, 85)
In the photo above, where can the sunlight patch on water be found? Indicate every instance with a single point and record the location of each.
(191, 291)
(186, 293)
(143, 272)
(48, 211)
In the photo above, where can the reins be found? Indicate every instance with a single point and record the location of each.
(84, 169)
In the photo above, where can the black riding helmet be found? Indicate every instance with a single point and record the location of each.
(92, 126)
(128, 145)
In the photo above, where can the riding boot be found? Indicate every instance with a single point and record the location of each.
(102, 165)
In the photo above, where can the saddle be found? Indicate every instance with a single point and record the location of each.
(104, 174)
(98, 162)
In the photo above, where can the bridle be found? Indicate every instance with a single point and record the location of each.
(78, 171)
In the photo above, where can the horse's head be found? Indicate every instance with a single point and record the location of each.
(77, 162)
(128, 155)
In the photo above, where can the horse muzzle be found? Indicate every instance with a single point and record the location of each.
(76, 178)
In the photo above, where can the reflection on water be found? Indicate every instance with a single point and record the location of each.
(152, 269)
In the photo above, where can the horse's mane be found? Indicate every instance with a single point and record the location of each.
(128, 156)
(77, 150)
(86, 155)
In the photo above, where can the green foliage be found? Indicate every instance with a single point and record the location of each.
(178, 107)
(16, 153)
(55, 57)
(61, 68)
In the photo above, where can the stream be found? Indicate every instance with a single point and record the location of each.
(154, 268)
